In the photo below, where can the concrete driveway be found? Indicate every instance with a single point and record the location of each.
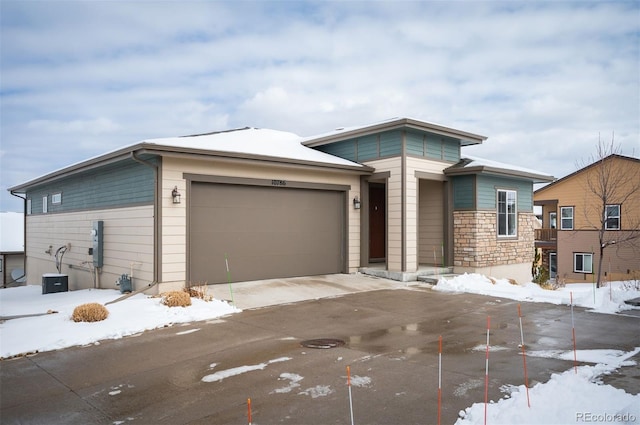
(203, 373)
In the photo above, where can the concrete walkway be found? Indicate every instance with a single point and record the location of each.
(267, 293)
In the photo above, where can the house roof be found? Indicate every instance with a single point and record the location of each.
(475, 165)
(11, 232)
(568, 176)
(343, 133)
(244, 143)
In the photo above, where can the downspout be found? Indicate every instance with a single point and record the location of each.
(155, 220)
(24, 233)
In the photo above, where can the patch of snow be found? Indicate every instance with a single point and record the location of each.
(223, 374)
(317, 391)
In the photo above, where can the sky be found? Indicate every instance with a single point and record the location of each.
(582, 388)
(544, 81)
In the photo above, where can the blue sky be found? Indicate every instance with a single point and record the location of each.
(543, 80)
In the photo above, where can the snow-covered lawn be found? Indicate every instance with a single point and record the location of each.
(57, 330)
(575, 396)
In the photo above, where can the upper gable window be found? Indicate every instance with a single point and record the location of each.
(56, 198)
(566, 218)
(45, 208)
(612, 217)
(507, 213)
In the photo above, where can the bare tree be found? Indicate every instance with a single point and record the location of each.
(612, 186)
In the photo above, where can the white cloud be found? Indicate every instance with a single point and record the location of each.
(540, 79)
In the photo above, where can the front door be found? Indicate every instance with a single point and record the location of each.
(377, 222)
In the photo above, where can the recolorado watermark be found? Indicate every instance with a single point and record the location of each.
(590, 417)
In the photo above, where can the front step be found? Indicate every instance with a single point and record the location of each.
(433, 279)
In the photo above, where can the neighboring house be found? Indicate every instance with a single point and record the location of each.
(571, 212)
(252, 204)
(11, 248)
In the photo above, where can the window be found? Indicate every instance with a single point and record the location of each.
(553, 220)
(612, 217)
(507, 214)
(566, 218)
(582, 262)
(45, 208)
(29, 206)
(56, 198)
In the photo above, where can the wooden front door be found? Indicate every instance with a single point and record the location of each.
(377, 222)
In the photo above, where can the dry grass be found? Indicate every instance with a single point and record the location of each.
(91, 312)
(199, 291)
(513, 281)
(176, 299)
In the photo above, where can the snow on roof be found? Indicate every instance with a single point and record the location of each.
(254, 141)
(11, 232)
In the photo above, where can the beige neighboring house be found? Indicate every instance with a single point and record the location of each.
(11, 248)
(394, 197)
(571, 220)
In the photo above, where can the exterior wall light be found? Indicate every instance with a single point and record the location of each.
(175, 195)
(356, 203)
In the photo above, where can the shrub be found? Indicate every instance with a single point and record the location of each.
(176, 299)
(91, 312)
(199, 291)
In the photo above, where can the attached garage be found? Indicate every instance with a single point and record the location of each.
(264, 229)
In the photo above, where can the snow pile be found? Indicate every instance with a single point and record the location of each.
(607, 299)
(56, 330)
(575, 396)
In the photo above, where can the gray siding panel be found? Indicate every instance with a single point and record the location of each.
(125, 183)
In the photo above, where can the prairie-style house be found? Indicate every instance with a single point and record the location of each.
(603, 197)
(392, 197)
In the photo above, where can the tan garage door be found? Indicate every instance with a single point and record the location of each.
(264, 232)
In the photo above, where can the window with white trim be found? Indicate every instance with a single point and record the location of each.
(507, 213)
(56, 198)
(612, 217)
(28, 206)
(566, 218)
(45, 207)
(582, 262)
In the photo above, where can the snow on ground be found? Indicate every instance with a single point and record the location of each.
(575, 396)
(57, 330)
(607, 299)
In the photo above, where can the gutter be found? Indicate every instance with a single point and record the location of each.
(156, 218)
(24, 233)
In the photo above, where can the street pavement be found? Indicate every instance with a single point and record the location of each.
(204, 372)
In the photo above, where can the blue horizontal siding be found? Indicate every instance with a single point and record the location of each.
(415, 143)
(116, 185)
(463, 192)
(488, 185)
(345, 149)
(368, 148)
(390, 143)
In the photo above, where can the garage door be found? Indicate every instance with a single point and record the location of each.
(264, 232)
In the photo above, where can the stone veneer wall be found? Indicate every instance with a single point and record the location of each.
(476, 243)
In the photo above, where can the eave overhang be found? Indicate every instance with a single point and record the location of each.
(484, 169)
(466, 138)
(160, 150)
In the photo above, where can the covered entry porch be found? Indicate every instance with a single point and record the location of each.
(407, 236)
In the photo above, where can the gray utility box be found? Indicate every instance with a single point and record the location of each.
(54, 282)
